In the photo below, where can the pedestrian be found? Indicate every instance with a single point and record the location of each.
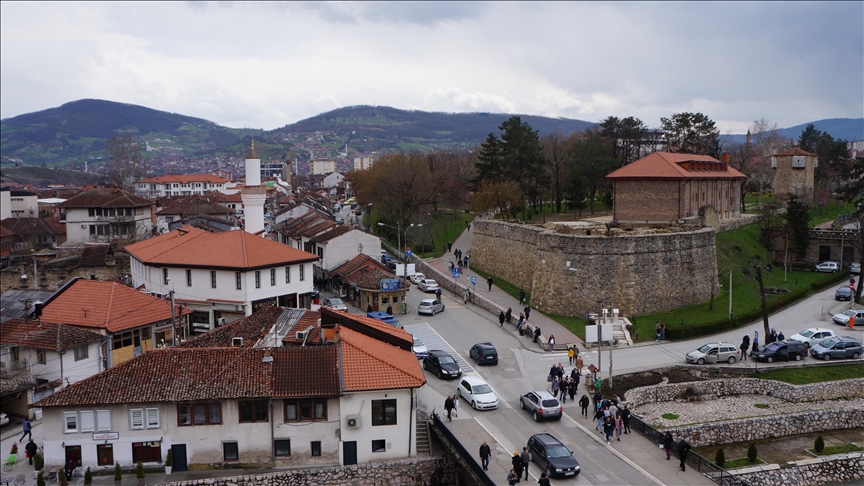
(522, 298)
(508, 315)
(555, 386)
(527, 311)
(511, 478)
(560, 371)
(438, 293)
(584, 402)
(456, 406)
(517, 465)
(536, 333)
(619, 424)
(754, 350)
(30, 449)
(465, 261)
(571, 354)
(551, 342)
(28, 429)
(369, 308)
(519, 323)
(501, 318)
(781, 337)
(390, 309)
(598, 416)
(70, 468)
(573, 388)
(466, 295)
(625, 417)
(668, 442)
(489, 282)
(468, 225)
(597, 398)
(744, 347)
(485, 452)
(657, 331)
(662, 331)
(456, 253)
(449, 246)
(526, 461)
(544, 480)
(451, 266)
(564, 388)
(449, 405)
(579, 363)
(683, 449)
(608, 427)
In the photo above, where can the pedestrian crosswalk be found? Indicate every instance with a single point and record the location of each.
(433, 340)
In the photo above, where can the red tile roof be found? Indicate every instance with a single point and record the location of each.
(184, 179)
(174, 375)
(330, 234)
(30, 227)
(191, 247)
(310, 371)
(251, 328)
(794, 151)
(370, 364)
(39, 334)
(106, 305)
(664, 165)
(106, 198)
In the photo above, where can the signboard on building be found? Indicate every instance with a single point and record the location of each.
(257, 304)
(106, 436)
(391, 285)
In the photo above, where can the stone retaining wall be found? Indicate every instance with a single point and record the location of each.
(832, 469)
(411, 472)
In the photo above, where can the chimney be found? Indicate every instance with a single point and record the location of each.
(724, 157)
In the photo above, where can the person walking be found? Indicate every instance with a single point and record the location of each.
(745, 346)
(449, 406)
(657, 331)
(485, 452)
(584, 402)
(508, 315)
(517, 465)
(511, 478)
(625, 418)
(31, 449)
(467, 295)
(28, 429)
(438, 293)
(619, 423)
(501, 318)
(573, 388)
(662, 331)
(527, 311)
(489, 282)
(551, 342)
(668, 442)
(522, 298)
(598, 416)
(526, 461)
(579, 363)
(449, 246)
(565, 389)
(608, 427)
(390, 309)
(683, 449)
(556, 385)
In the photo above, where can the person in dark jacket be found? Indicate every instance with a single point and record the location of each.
(536, 333)
(31, 448)
(584, 402)
(521, 296)
(508, 315)
(668, 442)
(526, 461)
(70, 469)
(544, 480)
(449, 405)
(745, 346)
(489, 281)
(625, 417)
(501, 318)
(512, 479)
(683, 449)
(517, 465)
(485, 452)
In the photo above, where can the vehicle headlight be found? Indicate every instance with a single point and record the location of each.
(558, 469)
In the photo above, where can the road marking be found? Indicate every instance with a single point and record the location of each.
(433, 340)
(614, 451)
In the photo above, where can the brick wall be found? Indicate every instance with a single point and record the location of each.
(647, 200)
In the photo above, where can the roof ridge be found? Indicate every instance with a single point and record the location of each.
(243, 236)
(110, 305)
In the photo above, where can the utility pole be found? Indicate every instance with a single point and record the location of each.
(173, 323)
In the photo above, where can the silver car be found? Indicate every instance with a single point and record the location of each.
(430, 306)
(714, 353)
(427, 285)
(542, 405)
(335, 303)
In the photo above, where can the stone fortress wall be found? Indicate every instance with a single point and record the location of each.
(638, 271)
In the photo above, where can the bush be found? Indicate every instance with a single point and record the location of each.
(88, 476)
(40, 480)
(118, 472)
(720, 458)
(38, 462)
(139, 470)
(61, 477)
(819, 446)
(752, 454)
(169, 459)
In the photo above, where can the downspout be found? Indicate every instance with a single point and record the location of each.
(411, 421)
(679, 198)
(272, 434)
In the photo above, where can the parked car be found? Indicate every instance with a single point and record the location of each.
(714, 353)
(385, 257)
(4, 419)
(855, 268)
(430, 306)
(837, 347)
(340, 220)
(484, 353)
(427, 285)
(419, 348)
(335, 303)
(843, 318)
(542, 405)
(783, 350)
(478, 393)
(812, 336)
(843, 293)
(442, 364)
(385, 317)
(827, 267)
(416, 278)
(553, 457)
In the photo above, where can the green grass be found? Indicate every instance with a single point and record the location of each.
(670, 416)
(822, 214)
(841, 449)
(513, 291)
(762, 405)
(742, 462)
(816, 374)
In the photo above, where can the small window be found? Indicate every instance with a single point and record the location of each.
(136, 417)
(379, 445)
(188, 277)
(305, 410)
(212, 279)
(301, 273)
(88, 421)
(40, 356)
(257, 279)
(70, 422)
(229, 451)
(316, 448)
(81, 353)
(282, 447)
(152, 417)
(272, 277)
(15, 353)
(199, 414)
(239, 278)
(253, 411)
(384, 412)
(103, 420)
(287, 274)
(165, 276)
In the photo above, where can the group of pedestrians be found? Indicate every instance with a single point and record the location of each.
(564, 385)
(683, 449)
(611, 416)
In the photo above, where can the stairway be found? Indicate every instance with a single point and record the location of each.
(423, 446)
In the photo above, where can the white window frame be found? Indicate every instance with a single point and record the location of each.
(152, 412)
(66, 428)
(302, 273)
(136, 413)
(103, 420)
(84, 416)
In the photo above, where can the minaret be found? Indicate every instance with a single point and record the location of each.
(288, 168)
(254, 194)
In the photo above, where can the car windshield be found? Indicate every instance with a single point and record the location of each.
(417, 343)
(481, 389)
(827, 343)
(446, 359)
(550, 403)
(807, 333)
(336, 302)
(705, 349)
(849, 312)
(488, 352)
(554, 452)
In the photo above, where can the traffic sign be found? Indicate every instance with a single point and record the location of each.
(473, 280)
(456, 272)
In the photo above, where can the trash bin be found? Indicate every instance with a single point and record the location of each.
(404, 308)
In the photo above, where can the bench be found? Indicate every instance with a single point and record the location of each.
(52, 472)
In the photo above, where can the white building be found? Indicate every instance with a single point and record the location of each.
(332, 180)
(222, 275)
(323, 166)
(179, 185)
(254, 194)
(23, 204)
(5, 203)
(363, 163)
(255, 410)
(103, 215)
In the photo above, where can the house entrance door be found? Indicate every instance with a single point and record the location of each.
(349, 453)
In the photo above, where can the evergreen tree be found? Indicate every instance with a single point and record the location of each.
(692, 133)
(819, 445)
(797, 226)
(720, 458)
(752, 453)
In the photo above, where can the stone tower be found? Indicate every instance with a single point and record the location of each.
(794, 174)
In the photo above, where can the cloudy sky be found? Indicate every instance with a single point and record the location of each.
(269, 64)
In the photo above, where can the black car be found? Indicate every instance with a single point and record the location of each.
(783, 350)
(442, 364)
(553, 457)
(843, 293)
(484, 353)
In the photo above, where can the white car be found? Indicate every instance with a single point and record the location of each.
(427, 285)
(417, 277)
(843, 319)
(430, 306)
(4, 419)
(478, 393)
(812, 336)
(335, 303)
(855, 268)
(827, 267)
(419, 349)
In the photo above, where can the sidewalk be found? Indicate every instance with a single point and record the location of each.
(563, 336)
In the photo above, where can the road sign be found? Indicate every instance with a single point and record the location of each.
(473, 280)
(456, 272)
(408, 252)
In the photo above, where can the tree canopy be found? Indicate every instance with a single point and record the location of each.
(691, 133)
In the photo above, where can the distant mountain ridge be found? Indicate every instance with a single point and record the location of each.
(848, 129)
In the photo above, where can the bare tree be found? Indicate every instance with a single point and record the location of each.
(555, 150)
(124, 154)
(766, 141)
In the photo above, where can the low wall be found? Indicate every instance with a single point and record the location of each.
(411, 472)
(832, 469)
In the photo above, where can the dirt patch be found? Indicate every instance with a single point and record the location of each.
(623, 383)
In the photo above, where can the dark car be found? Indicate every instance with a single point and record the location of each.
(442, 364)
(553, 457)
(484, 353)
(843, 293)
(783, 350)
(837, 347)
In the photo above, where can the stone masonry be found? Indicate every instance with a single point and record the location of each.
(636, 271)
(831, 469)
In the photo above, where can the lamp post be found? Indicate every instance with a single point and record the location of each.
(599, 327)
(399, 233)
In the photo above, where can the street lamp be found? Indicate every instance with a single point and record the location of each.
(399, 233)
(599, 328)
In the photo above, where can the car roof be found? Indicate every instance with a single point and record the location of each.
(485, 345)
(428, 300)
(543, 394)
(474, 380)
(547, 439)
(438, 352)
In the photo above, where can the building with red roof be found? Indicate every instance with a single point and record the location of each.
(179, 185)
(665, 187)
(102, 215)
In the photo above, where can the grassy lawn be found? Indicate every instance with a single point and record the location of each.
(841, 449)
(817, 374)
(743, 462)
(512, 290)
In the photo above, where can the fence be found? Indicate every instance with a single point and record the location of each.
(457, 446)
(694, 460)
